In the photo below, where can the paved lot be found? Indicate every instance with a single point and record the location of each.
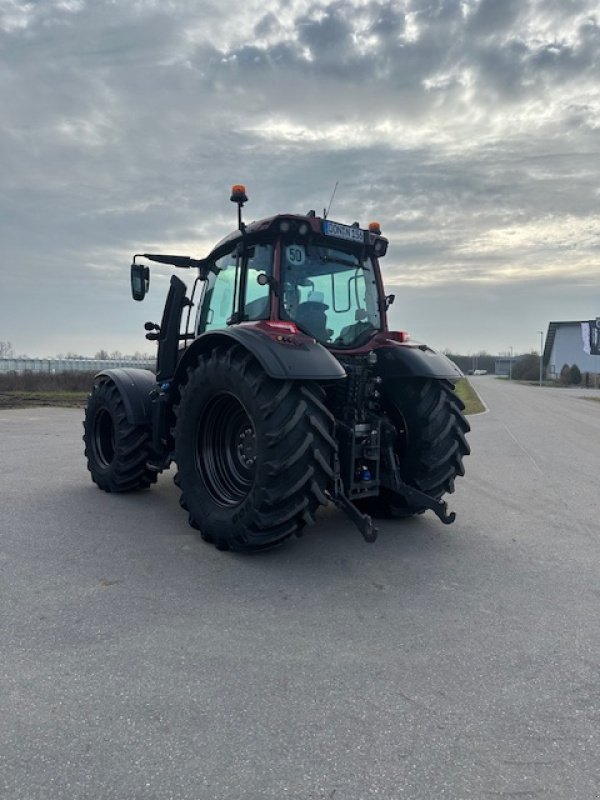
(440, 662)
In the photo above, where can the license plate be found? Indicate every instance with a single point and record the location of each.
(343, 232)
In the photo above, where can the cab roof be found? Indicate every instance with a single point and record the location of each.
(300, 225)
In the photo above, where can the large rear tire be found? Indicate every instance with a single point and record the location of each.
(117, 452)
(430, 441)
(254, 455)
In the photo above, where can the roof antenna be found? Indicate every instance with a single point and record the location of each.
(326, 210)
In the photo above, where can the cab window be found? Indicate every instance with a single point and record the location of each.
(219, 294)
(257, 300)
(330, 294)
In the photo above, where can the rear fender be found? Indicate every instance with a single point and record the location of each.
(414, 361)
(135, 386)
(292, 358)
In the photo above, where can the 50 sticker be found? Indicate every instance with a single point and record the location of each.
(295, 255)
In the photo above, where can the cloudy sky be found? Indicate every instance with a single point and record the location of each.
(469, 128)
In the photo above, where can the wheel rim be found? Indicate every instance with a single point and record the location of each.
(226, 450)
(104, 438)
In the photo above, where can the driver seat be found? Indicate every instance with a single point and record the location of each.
(311, 316)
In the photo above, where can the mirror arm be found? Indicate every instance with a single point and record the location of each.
(268, 280)
(274, 285)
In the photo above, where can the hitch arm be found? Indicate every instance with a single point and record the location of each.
(339, 498)
(415, 496)
(363, 522)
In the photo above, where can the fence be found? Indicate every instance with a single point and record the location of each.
(55, 365)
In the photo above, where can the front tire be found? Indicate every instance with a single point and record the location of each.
(430, 441)
(254, 455)
(117, 451)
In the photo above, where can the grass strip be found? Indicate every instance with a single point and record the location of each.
(469, 396)
(22, 399)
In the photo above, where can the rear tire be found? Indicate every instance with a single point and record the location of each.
(254, 455)
(430, 442)
(117, 451)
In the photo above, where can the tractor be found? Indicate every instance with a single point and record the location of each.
(279, 388)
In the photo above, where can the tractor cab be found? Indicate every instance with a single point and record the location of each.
(327, 291)
(320, 277)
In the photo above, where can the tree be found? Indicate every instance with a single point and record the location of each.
(575, 375)
(565, 375)
(527, 368)
(102, 355)
(6, 350)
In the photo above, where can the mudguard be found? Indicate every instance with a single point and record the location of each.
(414, 361)
(294, 358)
(134, 386)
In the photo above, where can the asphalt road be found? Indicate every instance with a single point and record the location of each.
(440, 662)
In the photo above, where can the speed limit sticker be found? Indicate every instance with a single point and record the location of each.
(295, 255)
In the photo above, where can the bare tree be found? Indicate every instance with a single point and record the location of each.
(6, 350)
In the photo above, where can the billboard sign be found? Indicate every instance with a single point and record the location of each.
(590, 332)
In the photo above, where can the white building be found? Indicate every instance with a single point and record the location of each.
(572, 343)
(54, 365)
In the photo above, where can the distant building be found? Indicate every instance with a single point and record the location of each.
(572, 343)
(504, 365)
(54, 365)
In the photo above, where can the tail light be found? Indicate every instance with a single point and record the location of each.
(398, 336)
(279, 326)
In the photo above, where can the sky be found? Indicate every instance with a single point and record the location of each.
(470, 129)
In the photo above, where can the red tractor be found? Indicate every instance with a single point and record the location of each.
(279, 388)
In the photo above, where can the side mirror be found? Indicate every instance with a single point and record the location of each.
(389, 299)
(140, 281)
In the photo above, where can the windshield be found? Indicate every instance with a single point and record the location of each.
(329, 293)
